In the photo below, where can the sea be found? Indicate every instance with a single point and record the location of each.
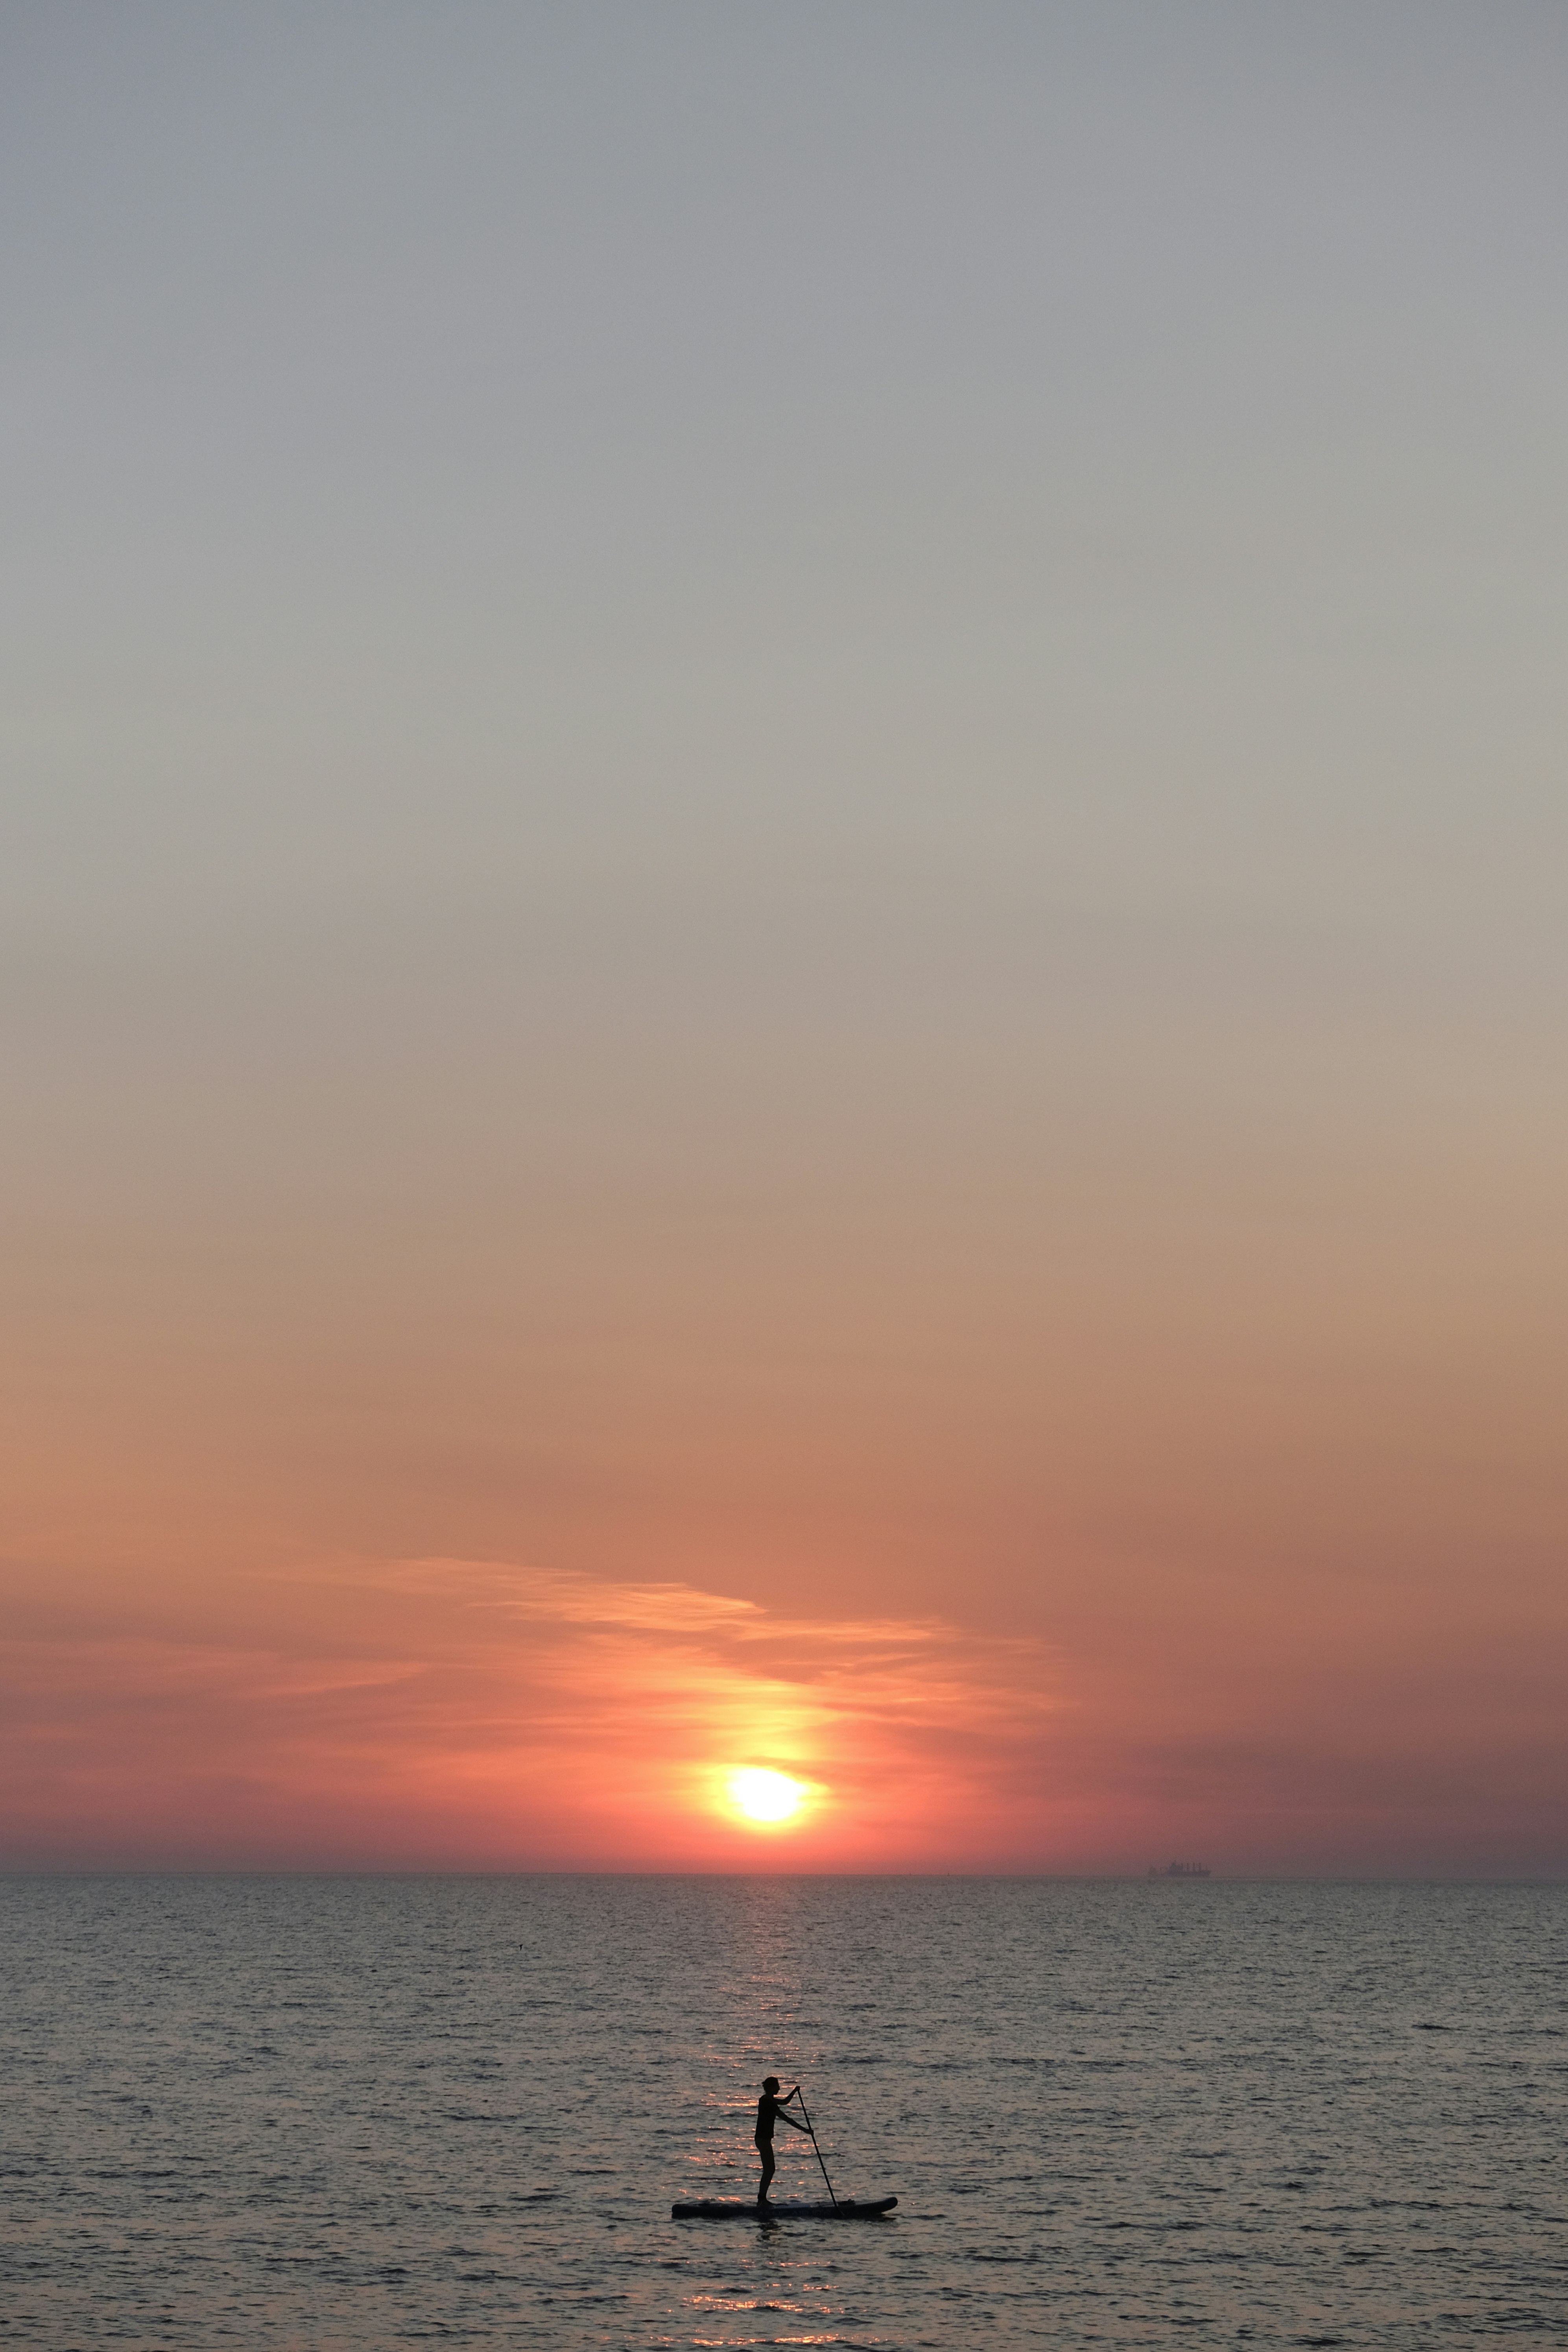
(352, 2113)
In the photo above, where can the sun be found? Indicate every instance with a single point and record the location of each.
(769, 1797)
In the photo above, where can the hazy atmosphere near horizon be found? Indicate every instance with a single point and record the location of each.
(781, 918)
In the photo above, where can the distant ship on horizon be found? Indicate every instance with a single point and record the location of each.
(1181, 1870)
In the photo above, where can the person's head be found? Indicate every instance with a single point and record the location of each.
(770, 2083)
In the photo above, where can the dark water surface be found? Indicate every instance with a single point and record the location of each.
(365, 2112)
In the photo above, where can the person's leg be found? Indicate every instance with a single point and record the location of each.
(767, 2156)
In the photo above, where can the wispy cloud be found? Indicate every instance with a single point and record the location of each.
(507, 1715)
(479, 1714)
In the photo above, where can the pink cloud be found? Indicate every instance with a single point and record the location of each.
(464, 1714)
(512, 1715)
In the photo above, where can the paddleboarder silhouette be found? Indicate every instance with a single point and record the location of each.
(770, 2110)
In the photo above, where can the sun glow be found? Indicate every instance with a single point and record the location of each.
(766, 1796)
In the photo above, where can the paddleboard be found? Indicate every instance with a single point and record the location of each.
(781, 2208)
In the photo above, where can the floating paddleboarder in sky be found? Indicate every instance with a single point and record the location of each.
(770, 2110)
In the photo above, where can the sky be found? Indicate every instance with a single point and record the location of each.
(782, 959)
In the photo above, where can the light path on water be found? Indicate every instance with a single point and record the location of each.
(355, 2113)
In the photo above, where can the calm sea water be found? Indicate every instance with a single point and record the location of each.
(364, 2112)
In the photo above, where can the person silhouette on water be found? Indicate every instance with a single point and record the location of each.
(770, 2111)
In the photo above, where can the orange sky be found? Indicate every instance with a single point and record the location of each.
(471, 1714)
(404, 1472)
(781, 977)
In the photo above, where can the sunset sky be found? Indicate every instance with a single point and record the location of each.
(782, 939)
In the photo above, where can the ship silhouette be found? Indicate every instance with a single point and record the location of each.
(1181, 1870)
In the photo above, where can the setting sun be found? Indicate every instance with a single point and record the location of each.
(766, 1796)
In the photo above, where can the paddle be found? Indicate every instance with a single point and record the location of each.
(830, 2190)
